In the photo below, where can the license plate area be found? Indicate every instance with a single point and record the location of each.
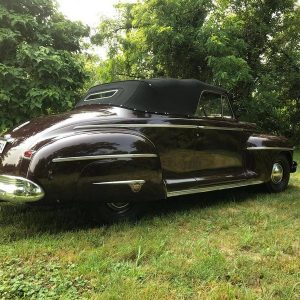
(2, 145)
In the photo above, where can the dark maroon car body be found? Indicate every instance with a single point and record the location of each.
(112, 153)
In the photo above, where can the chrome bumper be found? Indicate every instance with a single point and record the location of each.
(19, 190)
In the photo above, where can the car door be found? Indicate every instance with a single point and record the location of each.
(174, 139)
(220, 141)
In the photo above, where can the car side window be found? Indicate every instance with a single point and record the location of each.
(100, 95)
(213, 105)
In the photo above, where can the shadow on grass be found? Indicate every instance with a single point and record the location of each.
(208, 199)
(36, 220)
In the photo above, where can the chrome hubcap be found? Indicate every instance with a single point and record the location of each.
(118, 206)
(277, 173)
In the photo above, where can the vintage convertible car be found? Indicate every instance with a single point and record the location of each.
(133, 141)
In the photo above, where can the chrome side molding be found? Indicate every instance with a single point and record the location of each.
(135, 126)
(104, 156)
(183, 126)
(221, 128)
(271, 148)
(214, 187)
(135, 185)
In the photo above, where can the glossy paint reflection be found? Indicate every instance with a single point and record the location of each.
(190, 153)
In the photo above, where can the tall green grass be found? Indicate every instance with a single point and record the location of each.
(237, 244)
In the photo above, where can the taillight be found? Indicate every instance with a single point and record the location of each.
(28, 154)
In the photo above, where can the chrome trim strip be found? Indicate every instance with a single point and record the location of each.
(121, 182)
(214, 188)
(135, 126)
(158, 126)
(182, 180)
(113, 156)
(271, 148)
(20, 126)
(222, 128)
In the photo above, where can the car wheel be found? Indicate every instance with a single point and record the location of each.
(280, 175)
(111, 212)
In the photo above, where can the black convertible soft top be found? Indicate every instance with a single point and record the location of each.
(172, 96)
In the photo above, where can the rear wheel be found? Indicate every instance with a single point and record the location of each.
(110, 212)
(280, 175)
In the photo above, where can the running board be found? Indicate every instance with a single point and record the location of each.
(214, 188)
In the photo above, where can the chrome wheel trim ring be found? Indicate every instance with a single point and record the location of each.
(277, 173)
(118, 206)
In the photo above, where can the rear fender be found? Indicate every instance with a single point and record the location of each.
(99, 166)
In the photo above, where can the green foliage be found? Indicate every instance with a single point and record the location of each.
(149, 39)
(256, 56)
(250, 47)
(41, 70)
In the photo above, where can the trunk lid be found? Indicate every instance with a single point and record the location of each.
(37, 132)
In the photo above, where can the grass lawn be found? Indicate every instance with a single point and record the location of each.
(237, 244)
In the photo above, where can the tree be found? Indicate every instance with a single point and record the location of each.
(250, 47)
(41, 70)
(154, 38)
(256, 56)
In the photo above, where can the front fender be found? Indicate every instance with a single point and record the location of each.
(263, 149)
(99, 166)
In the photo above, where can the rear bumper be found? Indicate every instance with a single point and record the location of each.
(19, 190)
(294, 167)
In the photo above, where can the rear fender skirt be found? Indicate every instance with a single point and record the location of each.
(122, 179)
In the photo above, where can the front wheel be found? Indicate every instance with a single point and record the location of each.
(280, 175)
